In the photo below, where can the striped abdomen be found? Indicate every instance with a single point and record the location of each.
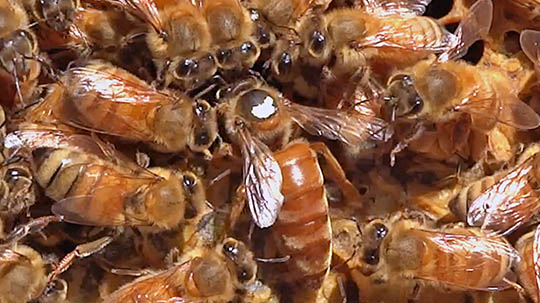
(417, 33)
(89, 190)
(525, 268)
(460, 258)
(302, 230)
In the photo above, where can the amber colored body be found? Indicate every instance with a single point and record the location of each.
(525, 268)
(202, 277)
(412, 252)
(93, 191)
(110, 100)
(303, 227)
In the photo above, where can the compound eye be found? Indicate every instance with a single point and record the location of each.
(247, 48)
(318, 42)
(224, 55)
(13, 174)
(263, 37)
(371, 256)
(380, 231)
(201, 109)
(189, 183)
(186, 68)
(285, 64)
(257, 105)
(230, 249)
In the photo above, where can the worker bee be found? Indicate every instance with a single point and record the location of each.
(257, 114)
(179, 39)
(130, 109)
(528, 269)
(502, 202)
(232, 32)
(405, 249)
(212, 275)
(19, 53)
(95, 185)
(16, 186)
(23, 272)
(341, 43)
(457, 101)
(57, 15)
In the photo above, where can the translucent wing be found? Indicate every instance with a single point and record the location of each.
(146, 10)
(31, 139)
(350, 128)
(536, 260)
(104, 202)
(473, 27)
(262, 180)
(404, 8)
(530, 44)
(154, 287)
(106, 99)
(412, 34)
(113, 84)
(503, 107)
(475, 254)
(507, 204)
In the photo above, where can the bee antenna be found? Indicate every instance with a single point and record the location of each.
(274, 260)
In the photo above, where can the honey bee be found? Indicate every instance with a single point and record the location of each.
(179, 39)
(232, 32)
(528, 270)
(130, 109)
(458, 100)
(82, 174)
(202, 274)
(502, 202)
(57, 15)
(381, 36)
(16, 187)
(257, 114)
(405, 249)
(23, 274)
(19, 53)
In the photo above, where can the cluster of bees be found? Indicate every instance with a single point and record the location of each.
(268, 151)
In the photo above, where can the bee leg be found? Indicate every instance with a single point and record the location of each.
(415, 294)
(419, 129)
(519, 289)
(81, 251)
(238, 204)
(33, 226)
(333, 170)
(108, 267)
(341, 286)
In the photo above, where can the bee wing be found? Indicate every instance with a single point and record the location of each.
(146, 10)
(473, 253)
(405, 8)
(504, 107)
(103, 205)
(352, 129)
(154, 287)
(31, 139)
(108, 83)
(473, 27)
(508, 203)
(530, 43)
(262, 181)
(8, 255)
(116, 95)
